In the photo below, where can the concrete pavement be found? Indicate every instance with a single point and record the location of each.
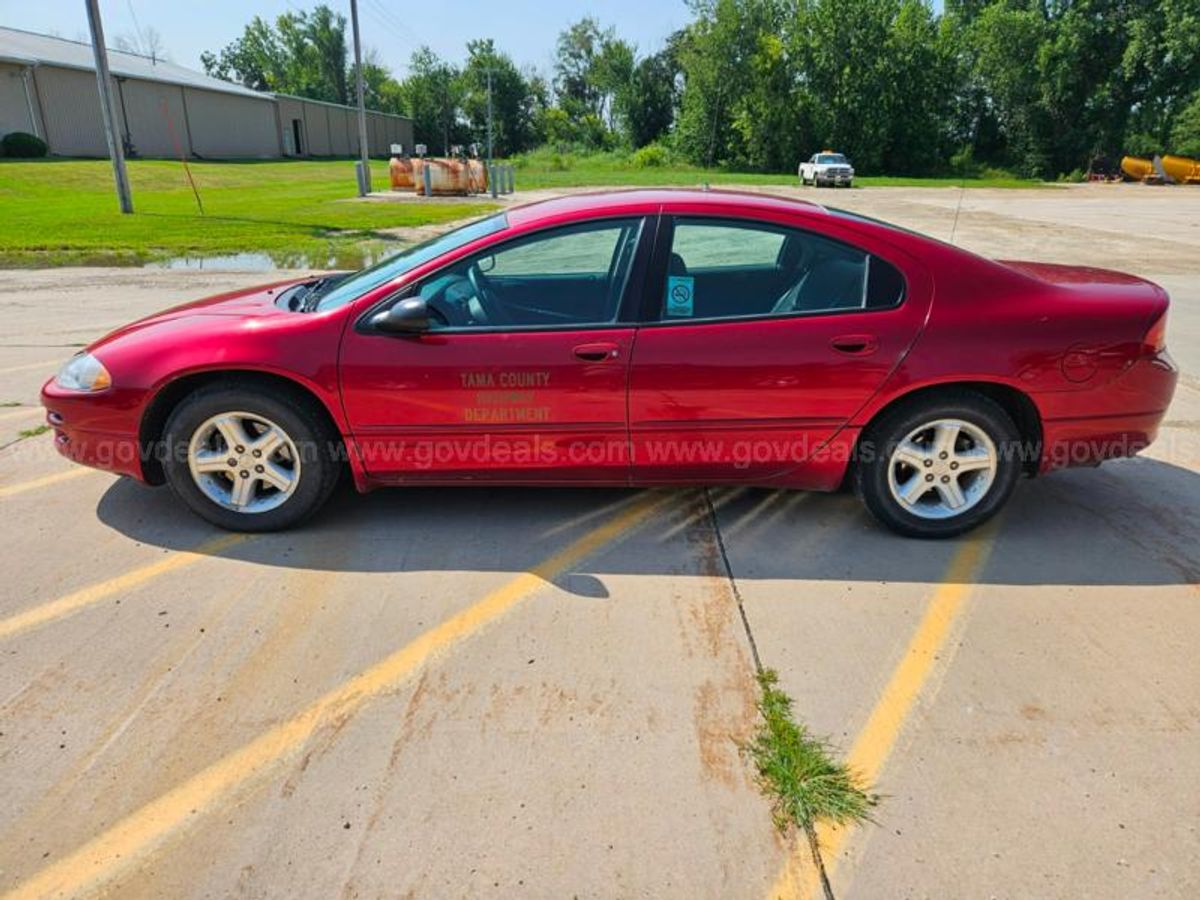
(498, 692)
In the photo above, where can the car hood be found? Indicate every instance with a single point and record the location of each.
(246, 303)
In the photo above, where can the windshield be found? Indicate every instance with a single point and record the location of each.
(359, 283)
(831, 159)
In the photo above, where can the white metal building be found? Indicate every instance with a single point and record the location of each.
(48, 88)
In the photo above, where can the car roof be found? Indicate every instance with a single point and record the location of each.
(645, 200)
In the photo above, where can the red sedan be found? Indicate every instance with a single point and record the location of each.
(634, 338)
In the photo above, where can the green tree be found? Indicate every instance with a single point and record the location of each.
(1161, 64)
(1069, 80)
(844, 54)
(773, 118)
(649, 107)
(325, 32)
(714, 56)
(1185, 134)
(612, 77)
(431, 95)
(304, 53)
(1041, 86)
(1003, 44)
(574, 67)
(380, 90)
(257, 59)
(513, 101)
(921, 78)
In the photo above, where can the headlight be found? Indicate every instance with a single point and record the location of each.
(83, 372)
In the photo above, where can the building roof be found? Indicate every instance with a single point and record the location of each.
(28, 48)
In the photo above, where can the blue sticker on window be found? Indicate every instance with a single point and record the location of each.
(679, 295)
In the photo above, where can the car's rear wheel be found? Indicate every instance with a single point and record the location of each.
(249, 462)
(938, 466)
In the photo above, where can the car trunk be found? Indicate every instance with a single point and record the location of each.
(1113, 294)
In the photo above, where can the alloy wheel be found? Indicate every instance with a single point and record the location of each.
(942, 468)
(244, 462)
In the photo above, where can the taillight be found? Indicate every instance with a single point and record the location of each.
(1155, 340)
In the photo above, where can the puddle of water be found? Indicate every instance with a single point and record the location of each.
(249, 262)
(354, 257)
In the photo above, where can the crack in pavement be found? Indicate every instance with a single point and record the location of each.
(733, 585)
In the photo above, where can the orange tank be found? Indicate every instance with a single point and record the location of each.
(401, 172)
(477, 176)
(447, 177)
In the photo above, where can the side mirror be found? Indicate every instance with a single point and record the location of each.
(408, 316)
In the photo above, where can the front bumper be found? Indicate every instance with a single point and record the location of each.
(834, 180)
(95, 430)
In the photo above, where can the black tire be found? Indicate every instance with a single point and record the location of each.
(318, 448)
(880, 440)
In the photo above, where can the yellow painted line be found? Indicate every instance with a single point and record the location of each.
(131, 839)
(49, 365)
(926, 649)
(21, 487)
(92, 594)
(18, 413)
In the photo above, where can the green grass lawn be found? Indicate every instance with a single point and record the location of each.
(299, 212)
(546, 169)
(58, 212)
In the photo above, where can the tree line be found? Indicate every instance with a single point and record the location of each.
(1038, 87)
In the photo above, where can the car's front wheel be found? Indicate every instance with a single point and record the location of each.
(247, 461)
(938, 466)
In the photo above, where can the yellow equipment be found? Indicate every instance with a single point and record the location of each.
(1137, 168)
(1181, 169)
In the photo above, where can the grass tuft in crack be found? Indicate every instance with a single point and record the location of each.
(32, 432)
(801, 775)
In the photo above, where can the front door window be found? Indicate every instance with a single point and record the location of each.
(566, 278)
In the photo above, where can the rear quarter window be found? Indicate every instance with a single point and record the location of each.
(885, 284)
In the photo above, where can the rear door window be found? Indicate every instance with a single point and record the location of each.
(720, 269)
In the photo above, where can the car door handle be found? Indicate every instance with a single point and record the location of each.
(855, 344)
(597, 352)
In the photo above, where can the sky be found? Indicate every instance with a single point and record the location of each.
(525, 29)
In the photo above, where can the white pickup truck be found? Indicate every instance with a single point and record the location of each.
(827, 167)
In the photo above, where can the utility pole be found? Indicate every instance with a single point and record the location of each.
(116, 149)
(491, 169)
(364, 176)
(489, 75)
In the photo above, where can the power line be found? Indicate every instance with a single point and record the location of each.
(403, 27)
(137, 28)
(396, 26)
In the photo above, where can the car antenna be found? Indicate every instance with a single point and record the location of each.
(962, 189)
